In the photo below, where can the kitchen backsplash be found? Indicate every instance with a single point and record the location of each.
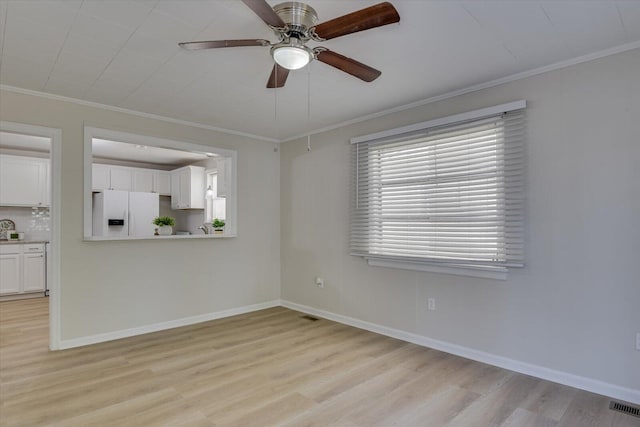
(34, 222)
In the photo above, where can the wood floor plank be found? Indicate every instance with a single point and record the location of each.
(439, 409)
(523, 418)
(267, 368)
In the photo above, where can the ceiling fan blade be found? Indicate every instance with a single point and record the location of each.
(364, 19)
(265, 12)
(278, 77)
(348, 65)
(214, 44)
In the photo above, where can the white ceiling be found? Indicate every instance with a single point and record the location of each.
(125, 54)
(122, 151)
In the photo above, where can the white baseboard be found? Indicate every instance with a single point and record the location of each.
(109, 336)
(583, 383)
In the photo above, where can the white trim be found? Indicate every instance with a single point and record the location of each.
(468, 271)
(475, 88)
(456, 118)
(132, 112)
(53, 272)
(583, 383)
(171, 237)
(185, 321)
(93, 132)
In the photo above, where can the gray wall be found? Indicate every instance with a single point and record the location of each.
(112, 286)
(575, 306)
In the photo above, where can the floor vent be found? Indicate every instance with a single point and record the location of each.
(307, 317)
(624, 408)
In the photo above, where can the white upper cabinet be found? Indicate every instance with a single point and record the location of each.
(106, 177)
(187, 188)
(109, 177)
(24, 181)
(143, 180)
(121, 178)
(162, 183)
(100, 177)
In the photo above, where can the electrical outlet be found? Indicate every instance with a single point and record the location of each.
(638, 341)
(320, 282)
(431, 303)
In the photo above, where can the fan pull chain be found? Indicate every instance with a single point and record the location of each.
(275, 104)
(308, 106)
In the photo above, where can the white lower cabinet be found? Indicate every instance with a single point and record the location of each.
(22, 268)
(33, 272)
(10, 273)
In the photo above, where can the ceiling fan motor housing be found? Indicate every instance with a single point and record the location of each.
(299, 17)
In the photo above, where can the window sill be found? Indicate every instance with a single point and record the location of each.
(172, 237)
(496, 273)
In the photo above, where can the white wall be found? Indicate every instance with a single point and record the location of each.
(112, 286)
(575, 307)
(34, 222)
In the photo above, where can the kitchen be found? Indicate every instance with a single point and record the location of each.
(25, 226)
(131, 185)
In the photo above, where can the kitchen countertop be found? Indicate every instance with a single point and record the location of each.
(13, 242)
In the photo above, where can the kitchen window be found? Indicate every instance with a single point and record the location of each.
(131, 180)
(215, 206)
(444, 195)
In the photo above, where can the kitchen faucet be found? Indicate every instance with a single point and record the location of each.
(204, 228)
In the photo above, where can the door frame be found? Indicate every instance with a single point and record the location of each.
(53, 270)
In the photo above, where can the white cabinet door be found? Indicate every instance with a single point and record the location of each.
(34, 272)
(121, 178)
(175, 190)
(100, 177)
(23, 181)
(185, 188)
(143, 180)
(162, 183)
(10, 273)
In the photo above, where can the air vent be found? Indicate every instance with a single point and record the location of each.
(307, 317)
(625, 408)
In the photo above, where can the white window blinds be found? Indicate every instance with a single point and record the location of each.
(450, 194)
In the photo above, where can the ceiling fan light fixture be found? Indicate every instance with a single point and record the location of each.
(292, 55)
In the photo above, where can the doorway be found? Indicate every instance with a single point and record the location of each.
(28, 143)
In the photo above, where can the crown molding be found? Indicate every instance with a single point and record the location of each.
(132, 112)
(474, 88)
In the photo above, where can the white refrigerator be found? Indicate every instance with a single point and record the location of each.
(124, 213)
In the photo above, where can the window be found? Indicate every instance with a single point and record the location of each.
(215, 206)
(446, 193)
(144, 164)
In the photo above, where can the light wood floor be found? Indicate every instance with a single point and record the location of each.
(264, 369)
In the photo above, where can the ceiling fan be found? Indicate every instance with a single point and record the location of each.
(295, 24)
